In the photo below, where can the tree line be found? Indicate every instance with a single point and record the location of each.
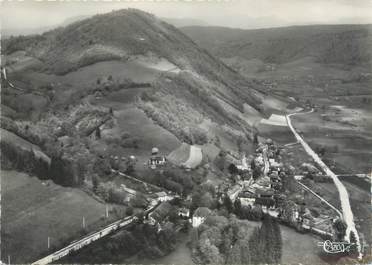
(62, 171)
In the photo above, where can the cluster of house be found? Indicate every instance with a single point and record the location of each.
(261, 191)
(160, 216)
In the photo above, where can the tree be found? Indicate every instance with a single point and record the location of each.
(265, 243)
(340, 228)
(129, 210)
(95, 182)
(130, 166)
(255, 139)
(235, 255)
(233, 170)
(237, 207)
(277, 243)
(220, 161)
(228, 204)
(61, 171)
(140, 216)
(353, 251)
(210, 253)
(103, 191)
(255, 246)
(98, 133)
(256, 173)
(102, 167)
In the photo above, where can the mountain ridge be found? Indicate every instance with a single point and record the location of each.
(327, 43)
(180, 98)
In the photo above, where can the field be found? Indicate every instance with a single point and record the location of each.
(360, 201)
(129, 119)
(299, 248)
(347, 145)
(136, 123)
(280, 134)
(179, 155)
(33, 211)
(276, 120)
(195, 157)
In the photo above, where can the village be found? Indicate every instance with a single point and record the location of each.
(255, 185)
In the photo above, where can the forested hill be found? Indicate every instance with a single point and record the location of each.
(344, 44)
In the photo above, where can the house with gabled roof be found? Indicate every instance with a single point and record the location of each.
(160, 213)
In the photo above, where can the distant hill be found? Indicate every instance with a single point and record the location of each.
(184, 22)
(344, 44)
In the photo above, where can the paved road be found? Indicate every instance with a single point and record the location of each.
(344, 196)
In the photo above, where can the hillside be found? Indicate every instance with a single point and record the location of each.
(345, 44)
(135, 39)
(143, 81)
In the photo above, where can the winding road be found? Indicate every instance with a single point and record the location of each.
(344, 196)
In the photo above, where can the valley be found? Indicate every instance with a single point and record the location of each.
(139, 142)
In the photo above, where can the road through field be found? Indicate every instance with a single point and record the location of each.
(344, 196)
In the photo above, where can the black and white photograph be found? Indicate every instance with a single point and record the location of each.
(186, 132)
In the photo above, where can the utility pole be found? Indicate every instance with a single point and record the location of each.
(106, 211)
(48, 242)
(83, 222)
(8, 259)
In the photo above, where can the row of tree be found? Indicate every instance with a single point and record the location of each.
(141, 239)
(265, 243)
(62, 171)
(222, 240)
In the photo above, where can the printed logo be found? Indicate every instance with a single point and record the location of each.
(335, 247)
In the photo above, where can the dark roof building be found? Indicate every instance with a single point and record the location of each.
(161, 212)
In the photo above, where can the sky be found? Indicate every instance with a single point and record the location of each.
(29, 14)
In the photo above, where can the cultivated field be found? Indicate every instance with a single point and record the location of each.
(280, 134)
(136, 123)
(360, 201)
(195, 157)
(348, 144)
(276, 120)
(299, 248)
(179, 155)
